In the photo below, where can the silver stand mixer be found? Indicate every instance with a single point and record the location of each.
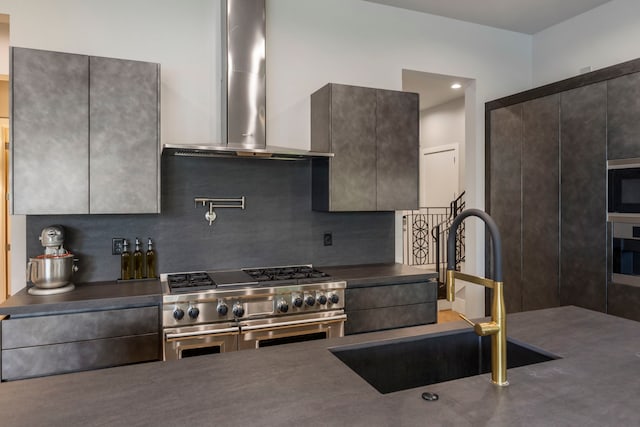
(51, 272)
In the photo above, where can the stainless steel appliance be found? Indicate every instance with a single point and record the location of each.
(623, 190)
(625, 266)
(220, 311)
(50, 273)
(243, 108)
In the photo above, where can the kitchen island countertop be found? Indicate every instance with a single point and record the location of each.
(595, 383)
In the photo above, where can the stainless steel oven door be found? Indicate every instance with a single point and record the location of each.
(289, 329)
(201, 339)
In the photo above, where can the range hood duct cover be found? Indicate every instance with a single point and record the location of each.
(243, 90)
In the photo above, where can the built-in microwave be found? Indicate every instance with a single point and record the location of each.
(625, 254)
(623, 189)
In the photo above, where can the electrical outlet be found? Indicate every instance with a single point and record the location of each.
(117, 245)
(328, 239)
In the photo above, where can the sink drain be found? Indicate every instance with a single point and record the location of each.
(427, 395)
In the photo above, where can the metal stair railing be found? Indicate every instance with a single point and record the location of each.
(425, 243)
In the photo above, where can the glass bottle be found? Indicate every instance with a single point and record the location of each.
(137, 261)
(151, 260)
(125, 262)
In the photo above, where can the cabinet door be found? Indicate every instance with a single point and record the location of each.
(540, 203)
(353, 140)
(397, 150)
(583, 194)
(124, 135)
(623, 117)
(505, 197)
(50, 126)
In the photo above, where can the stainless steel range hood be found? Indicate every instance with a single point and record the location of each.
(243, 91)
(268, 152)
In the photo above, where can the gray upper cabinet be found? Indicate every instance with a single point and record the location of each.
(374, 136)
(623, 117)
(50, 125)
(397, 150)
(124, 136)
(85, 134)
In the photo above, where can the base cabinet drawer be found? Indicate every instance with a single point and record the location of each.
(389, 306)
(28, 362)
(62, 328)
(390, 295)
(377, 319)
(60, 343)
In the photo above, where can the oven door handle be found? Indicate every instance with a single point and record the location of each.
(295, 323)
(202, 333)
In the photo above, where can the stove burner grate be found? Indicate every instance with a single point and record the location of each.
(189, 282)
(285, 273)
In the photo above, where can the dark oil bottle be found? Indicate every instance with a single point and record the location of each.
(151, 260)
(138, 261)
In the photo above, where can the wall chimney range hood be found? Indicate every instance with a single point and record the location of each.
(243, 91)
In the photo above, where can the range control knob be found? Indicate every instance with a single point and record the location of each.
(238, 310)
(334, 298)
(283, 307)
(297, 301)
(310, 300)
(322, 299)
(222, 309)
(193, 312)
(178, 313)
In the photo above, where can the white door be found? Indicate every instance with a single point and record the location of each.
(438, 175)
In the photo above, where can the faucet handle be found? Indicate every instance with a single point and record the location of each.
(466, 319)
(482, 329)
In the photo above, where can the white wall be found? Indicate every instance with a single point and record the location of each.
(309, 43)
(601, 37)
(442, 125)
(182, 36)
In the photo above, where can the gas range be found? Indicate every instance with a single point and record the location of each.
(191, 298)
(219, 311)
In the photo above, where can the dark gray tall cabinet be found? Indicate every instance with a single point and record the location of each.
(623, 117)
(524, 200)
(547, 192)
(505, 196)
(583, 192)
(85, 134)
(374, 136)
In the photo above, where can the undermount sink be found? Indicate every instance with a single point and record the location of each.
(405, 363)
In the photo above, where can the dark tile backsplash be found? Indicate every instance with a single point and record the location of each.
(277, 227)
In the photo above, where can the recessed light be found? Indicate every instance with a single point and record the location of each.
(456, 86)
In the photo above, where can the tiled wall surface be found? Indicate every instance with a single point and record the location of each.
(277, 227)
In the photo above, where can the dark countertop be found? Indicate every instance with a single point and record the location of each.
(111, 294)
(378, 274)
(596, 383)
(86, 296)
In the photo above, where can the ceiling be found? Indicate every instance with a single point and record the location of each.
(523, 16)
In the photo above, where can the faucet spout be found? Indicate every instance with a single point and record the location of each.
(497, 328)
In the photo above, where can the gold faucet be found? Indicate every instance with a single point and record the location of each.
(497, 328)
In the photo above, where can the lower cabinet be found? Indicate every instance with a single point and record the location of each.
(379, 307)
(56, 344)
